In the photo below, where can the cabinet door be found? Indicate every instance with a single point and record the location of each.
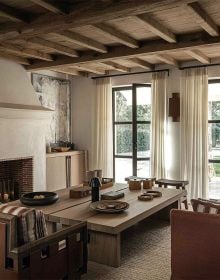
(56, 173)
(77, 169)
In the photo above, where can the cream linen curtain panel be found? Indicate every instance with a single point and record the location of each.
(102, 146)
(158, 127)
(194, 130)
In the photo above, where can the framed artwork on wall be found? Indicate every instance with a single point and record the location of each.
(54, 94)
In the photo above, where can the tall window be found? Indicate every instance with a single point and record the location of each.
(214, 137)
(131, 121)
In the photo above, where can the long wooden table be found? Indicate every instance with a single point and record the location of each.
(105, 229)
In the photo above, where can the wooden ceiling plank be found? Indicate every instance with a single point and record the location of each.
(82, 41)
(116, 66)
(157, 28)
(18, 50)
(198, 55)
(69, 71)
(88, 69)
(93, 13)
(142, 63)
(203, 19)
(167, 59)
(49, 6)
(117, 35)
(185, 42)
(54, 46)
(17, 59)
(12, 14)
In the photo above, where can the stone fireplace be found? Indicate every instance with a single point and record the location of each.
(16, 177)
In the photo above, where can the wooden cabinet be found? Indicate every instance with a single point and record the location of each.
(65, 169)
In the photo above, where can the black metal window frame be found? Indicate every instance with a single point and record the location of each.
(134, 122)
(214, 81)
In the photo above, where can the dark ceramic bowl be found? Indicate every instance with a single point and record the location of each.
(34, 199)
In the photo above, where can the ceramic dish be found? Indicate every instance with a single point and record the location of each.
(39, 198)
(109, 206)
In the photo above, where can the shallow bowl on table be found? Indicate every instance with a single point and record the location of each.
(109, 206)
(39, 198)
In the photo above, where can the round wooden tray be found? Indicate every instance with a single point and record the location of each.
(48, 198)
(109, 206)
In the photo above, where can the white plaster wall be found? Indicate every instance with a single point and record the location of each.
(83, 92)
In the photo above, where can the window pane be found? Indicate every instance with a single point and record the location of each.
(143, 168)
(143, 103)
(214, 180)
(123, 139)
(123, 169)
(214, 101)
(123, 105)
(214, 141)
(143, 140)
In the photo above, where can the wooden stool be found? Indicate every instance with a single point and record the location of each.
(179, 184)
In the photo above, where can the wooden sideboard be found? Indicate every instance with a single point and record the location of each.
(65, 169)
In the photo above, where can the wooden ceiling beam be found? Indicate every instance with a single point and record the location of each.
(49, 6)
(20, 51)
(69, 71)
(116, 66)
(88, 69)
(114, 34)
(12, 13)
(198, 55)
(94, 12)
(53, 46)
(185, 42)
(17, 59)
(203, 19)
(157, 28)
(142, 63)
(167, 59)
(82, 41)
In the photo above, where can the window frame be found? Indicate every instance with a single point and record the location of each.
(134, 122)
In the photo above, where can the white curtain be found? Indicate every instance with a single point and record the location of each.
(194, 130)
(158, 127)
(102, 146)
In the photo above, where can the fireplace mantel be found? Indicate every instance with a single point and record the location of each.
(24, 112)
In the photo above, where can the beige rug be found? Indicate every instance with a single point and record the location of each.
(145, 255)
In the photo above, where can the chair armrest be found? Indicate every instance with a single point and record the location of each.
(195, 245)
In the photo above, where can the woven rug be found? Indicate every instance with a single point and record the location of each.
(145, 255)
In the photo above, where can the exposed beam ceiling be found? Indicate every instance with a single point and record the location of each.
(185, 42)
(48, 6)
(142, 63)
(198, 55)
(19, 60)
(54, 46)
(203, 19)
(157, 28)
(94, 12)
(18, 50)
(114, 34)
(12, 14)
(116, 66)
(82, 41)
(167, 59)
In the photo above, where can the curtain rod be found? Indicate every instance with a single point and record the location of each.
(200, 66)
(131, 73)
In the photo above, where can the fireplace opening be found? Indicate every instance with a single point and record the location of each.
(16, 178)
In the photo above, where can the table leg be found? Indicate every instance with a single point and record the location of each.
(164, 214)
(105, 248)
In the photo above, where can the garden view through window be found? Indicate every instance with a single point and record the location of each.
(132, 118)
(214, 138)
